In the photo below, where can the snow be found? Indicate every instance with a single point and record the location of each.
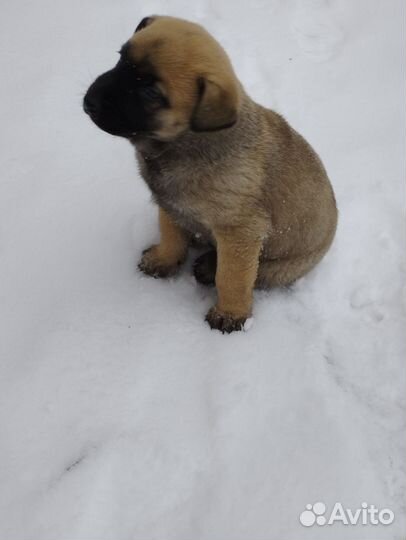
(122, 415)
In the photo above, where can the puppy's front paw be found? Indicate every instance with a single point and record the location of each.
(225, 322)
(154, 264)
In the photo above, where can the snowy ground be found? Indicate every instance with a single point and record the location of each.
(122, 415)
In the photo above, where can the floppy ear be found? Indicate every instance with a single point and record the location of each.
(216, 107)
(146, 21)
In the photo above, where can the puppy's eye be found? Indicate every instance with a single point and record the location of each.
(150, 93)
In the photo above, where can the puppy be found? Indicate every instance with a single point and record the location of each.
(220, 167)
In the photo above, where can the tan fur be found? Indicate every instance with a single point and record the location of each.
(255, 190)
(181, 52)
(164, 258)
(237, 265)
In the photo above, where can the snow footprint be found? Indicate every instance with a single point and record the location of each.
(316, 29)
(369, 300)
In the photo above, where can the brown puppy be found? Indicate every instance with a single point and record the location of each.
(221, 167)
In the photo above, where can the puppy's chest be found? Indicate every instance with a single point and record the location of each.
(177, 189)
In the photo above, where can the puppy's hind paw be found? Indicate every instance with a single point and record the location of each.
(204, 268)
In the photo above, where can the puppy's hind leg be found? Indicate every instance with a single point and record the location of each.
(283, 272)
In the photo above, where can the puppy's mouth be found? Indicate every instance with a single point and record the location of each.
(89, 110)
(117, 130)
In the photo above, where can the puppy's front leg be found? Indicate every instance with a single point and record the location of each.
(237, 265)
(164, 259)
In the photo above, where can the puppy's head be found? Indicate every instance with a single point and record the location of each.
(172, 76)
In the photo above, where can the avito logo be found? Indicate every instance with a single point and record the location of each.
(366, 515)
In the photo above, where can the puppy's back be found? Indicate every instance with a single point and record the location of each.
(297, 191)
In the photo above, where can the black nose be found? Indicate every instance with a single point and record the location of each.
(90, 104)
